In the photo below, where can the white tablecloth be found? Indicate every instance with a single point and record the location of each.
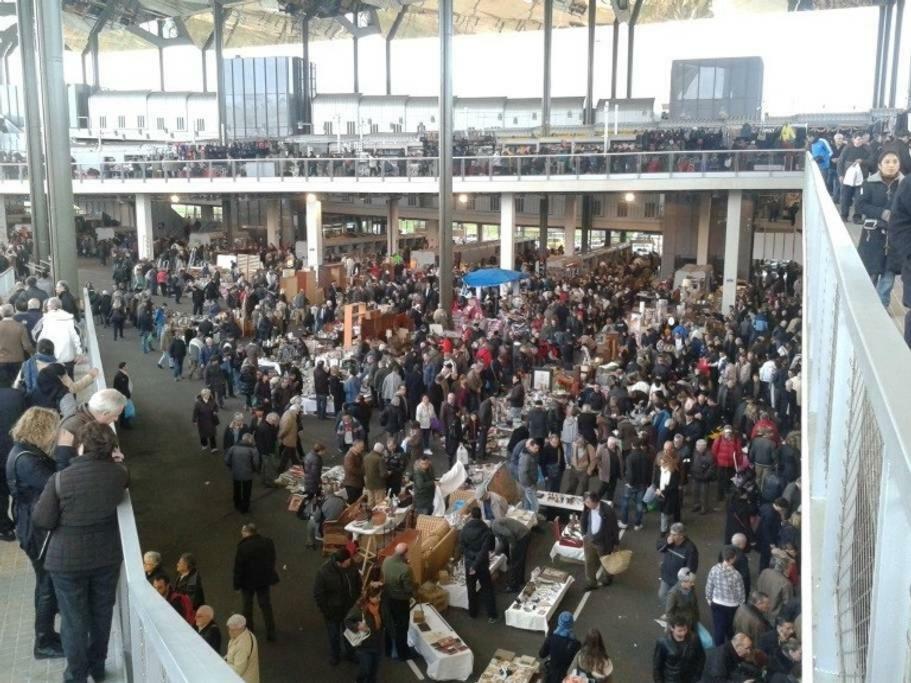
(560, 500)
(458, 592)
(308, 406)
(536, 621)
(567, 552)
(390, 525)
(440, 666)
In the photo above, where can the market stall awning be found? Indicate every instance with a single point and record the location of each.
(491, 277)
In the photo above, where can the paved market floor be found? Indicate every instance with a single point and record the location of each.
(182, 500)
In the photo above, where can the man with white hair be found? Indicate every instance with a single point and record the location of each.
(104, 407)
(60, 327)
(15, 345)
(243, 650)
(207, 628)
(398, 590)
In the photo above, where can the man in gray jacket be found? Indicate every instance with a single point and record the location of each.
(243, 460)
(528, 475)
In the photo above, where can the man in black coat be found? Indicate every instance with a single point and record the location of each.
(321, 389)
(601, 535)
(678, 657)
(476, 542)
(899, 240)
(730, 662)
(335, 591)
(12, 405)
(254, 572)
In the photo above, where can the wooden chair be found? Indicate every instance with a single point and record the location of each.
(334, 534)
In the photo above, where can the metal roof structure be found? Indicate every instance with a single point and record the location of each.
(139, 24)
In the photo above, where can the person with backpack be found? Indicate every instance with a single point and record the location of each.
(28, 469)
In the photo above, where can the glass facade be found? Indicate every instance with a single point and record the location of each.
(716, 88)
(264, 96)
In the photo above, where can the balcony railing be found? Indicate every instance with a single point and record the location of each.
(856, 514)
(625, 165)
(158, 645)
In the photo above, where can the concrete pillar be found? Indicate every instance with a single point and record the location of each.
(145, 227)
(4, 236)
(432, 231)
(679, 232)
(702, 234)
(745, 251)
(218, 23)
(273, 222)
(229, 217)
(731, 250)
(206, 213)
(314, 231)
(569, 224)
(507, 231)
(392, 226)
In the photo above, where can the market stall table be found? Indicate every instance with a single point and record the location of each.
(373, 532)
(528, 518)
(507, 667)
(539, 600)
(458, 592)
(564, 501)
(447, 656)
(569, 545)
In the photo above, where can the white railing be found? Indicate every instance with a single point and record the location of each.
(856, 521)
(7, 283)
(621, 165)
(158, 645)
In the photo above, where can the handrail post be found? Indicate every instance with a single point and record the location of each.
(547, 168)
(462, 168)
(577, 164)
(519, 167)
(670, 163)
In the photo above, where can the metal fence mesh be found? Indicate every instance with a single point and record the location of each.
(857, 549)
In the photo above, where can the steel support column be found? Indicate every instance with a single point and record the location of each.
(305, 46)
(507, 231)
(393, 30)
(218, 21)
(548, 42)
(896, 50)
(445, 153)
(161, 54)
(25, 11)
(615, 46)
(392, 226)
(357, 87)
(630, 48)
(96, 69)
(590, 65)
(880, 29)
(887, 41)
(205, 76)
(57, 143)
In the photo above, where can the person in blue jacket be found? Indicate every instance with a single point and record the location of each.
(822, 153)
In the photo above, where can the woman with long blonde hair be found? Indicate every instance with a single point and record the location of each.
(28, 468)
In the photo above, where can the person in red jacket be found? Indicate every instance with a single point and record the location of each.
(729, 458)
(765, 423)
(180, 602)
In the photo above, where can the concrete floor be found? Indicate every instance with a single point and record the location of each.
(182, 500)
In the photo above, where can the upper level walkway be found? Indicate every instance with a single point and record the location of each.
(571, 173)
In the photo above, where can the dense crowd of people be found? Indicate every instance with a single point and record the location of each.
(698, 414)
(697, 149)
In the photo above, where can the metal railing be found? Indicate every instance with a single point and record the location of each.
(158, 645)
(625, 165)
(856, 514)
